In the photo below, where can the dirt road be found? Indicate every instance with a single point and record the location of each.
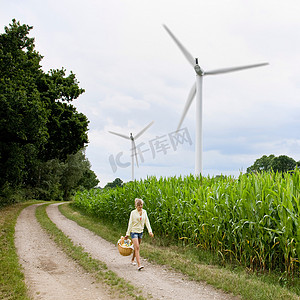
(50, 273)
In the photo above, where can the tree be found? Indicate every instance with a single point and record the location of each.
(37, 120)
(88, 180)
(59, 180)
(77, 174)
(48, 185)
(117, 182)
(281, 163)
(23, 116)
(261, 164)
(67, 129)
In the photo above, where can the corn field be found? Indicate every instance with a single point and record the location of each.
(253, 219)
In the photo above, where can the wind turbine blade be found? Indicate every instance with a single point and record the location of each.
(134, 153)
(119, 134)
(142, 131)
(234, 69)
(188, 103)
(188, 56)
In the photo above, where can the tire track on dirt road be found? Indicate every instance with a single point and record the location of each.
(157, 280)
(49, 272)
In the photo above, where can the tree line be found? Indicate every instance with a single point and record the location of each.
(42, 135)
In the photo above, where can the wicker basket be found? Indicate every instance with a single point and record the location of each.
(125, 251)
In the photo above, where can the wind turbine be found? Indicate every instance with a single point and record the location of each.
(133, 146)
(196, 90)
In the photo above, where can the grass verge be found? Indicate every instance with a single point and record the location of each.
(247, 285)
(117, 286)
(12, 285)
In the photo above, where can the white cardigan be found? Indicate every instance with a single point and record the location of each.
(137, 222)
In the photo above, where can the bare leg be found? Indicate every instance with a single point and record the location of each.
(133, 256)
(136, 252)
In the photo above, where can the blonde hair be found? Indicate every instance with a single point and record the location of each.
(138, 201)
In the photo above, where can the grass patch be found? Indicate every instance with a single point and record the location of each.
(116, 285)
(198, 264)
(12, 285)
(109, 232)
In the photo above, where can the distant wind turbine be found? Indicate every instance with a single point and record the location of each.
(197, 89)
(133, 146)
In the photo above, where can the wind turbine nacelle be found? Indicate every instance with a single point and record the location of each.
(198, 70)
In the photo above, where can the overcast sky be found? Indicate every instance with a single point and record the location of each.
(133, 74)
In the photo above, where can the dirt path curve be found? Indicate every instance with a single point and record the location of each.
(157, 280)
(49, 273)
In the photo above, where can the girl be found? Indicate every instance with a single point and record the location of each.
(138, 219)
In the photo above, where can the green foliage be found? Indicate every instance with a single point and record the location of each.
(88, 180)
(65, 126)
(22, 114)
(77, 167)
(48, 186)
(37, 122)
(116, 183)
(252, 220)
(59, 180)
(261, 164)
(281, 163)
(12, 285)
